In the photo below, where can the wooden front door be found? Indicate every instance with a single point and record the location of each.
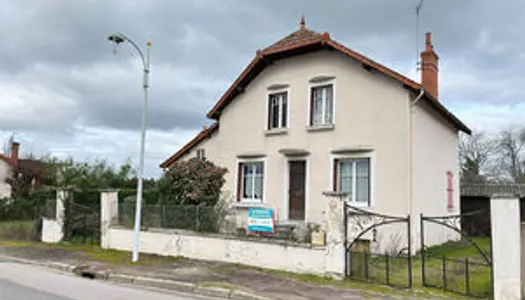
(296, 190)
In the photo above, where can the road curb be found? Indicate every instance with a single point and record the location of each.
(90, 271)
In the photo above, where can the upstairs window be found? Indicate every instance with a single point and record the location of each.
(277, 110)
(321, 105)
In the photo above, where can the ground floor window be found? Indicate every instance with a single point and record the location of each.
(250, 181)
(352, 176)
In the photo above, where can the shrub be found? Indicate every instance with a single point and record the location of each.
(192, 182)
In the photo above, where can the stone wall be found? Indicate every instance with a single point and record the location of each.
(279, 255)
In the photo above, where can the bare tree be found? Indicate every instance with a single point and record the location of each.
(475, 153)
(511, 155)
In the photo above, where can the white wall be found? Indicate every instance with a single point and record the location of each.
(436, 146)
(265, 255)
(506, 247)
(52, 231)
(5, 188)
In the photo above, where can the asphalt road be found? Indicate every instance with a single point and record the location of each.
(25, 282)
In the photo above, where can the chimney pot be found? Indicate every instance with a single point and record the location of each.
(428, 42)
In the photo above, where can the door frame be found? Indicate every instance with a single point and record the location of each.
(286, 186)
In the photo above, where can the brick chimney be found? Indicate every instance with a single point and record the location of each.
(429, 68)
(14, 152)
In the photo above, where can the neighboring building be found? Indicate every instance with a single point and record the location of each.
(309, 115)
(12, 165)
(475, 205)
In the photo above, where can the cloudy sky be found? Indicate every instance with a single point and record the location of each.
(63, 92)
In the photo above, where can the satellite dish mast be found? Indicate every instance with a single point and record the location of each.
(418, 10)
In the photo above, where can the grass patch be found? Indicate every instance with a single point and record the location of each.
(95, 253)
(17, 230)
(368, 290)
(462, 249)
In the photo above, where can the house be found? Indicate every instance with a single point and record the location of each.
(309, 115)
(25, 170)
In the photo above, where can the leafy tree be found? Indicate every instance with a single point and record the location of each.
(192, 182)
(84, 175)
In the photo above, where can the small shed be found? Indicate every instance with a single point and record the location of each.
(476, 198)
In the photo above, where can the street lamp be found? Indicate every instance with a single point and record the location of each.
(118, 39)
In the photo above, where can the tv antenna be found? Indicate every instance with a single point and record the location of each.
(418, 10)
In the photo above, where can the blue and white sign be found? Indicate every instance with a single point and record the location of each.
(261, 220)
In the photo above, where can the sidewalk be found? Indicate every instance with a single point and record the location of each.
(201, 277)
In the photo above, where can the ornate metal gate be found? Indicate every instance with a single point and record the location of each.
(389, 265)
(464, 264)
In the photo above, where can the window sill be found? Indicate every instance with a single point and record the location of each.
(276, 131)
(248, 204)
(320, 127)
(363, 206)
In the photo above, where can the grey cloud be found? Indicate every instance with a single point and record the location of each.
(199, 48)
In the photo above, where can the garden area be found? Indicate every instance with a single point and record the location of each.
(455, 266)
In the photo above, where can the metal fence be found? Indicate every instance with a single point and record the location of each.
(380, 268)
(30, 208)
(462, 276)
(187, 217)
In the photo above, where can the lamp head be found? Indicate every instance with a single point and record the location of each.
(115, 39)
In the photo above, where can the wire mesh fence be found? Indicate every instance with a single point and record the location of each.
(32, 207)
(187, 217)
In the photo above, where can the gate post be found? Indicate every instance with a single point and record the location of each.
(335, 262)
(53, 229)
(506, 246)
(108, 214)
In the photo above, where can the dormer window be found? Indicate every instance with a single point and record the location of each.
(277, 110)
(201, 154)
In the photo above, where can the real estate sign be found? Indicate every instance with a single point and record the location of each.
(261, 220)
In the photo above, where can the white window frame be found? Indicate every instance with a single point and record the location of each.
(371, 156)
(310, 117)
(268, 113)
(240, 181)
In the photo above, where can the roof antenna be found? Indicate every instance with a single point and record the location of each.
(418, 10)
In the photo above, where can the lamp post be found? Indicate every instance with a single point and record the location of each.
(119, 38)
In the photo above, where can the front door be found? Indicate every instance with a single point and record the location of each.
(296, 190)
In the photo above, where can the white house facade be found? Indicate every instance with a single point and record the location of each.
(309, 115)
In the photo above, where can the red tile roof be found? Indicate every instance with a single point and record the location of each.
(7, 160)
(206, 132)
(300, 36)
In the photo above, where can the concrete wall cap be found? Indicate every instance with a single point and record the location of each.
(505, 196)
(109, 190)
